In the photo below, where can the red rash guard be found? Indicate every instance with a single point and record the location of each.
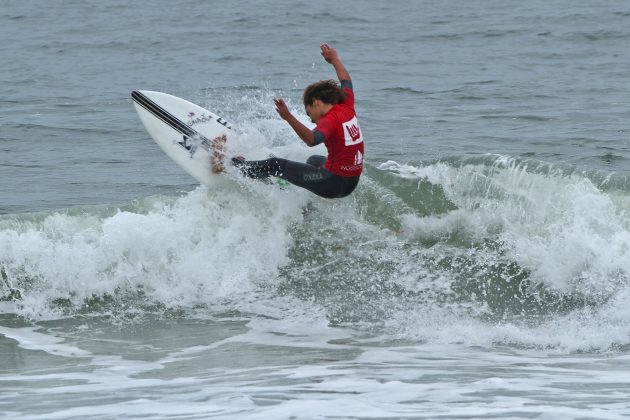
(343, 138)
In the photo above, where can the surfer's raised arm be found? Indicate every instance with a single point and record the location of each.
(331, 56)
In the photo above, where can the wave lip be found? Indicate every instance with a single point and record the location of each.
(564, 229)
(535, 245)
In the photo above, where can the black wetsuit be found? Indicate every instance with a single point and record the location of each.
(310, 175)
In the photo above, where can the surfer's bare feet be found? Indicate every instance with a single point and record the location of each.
(217, 159)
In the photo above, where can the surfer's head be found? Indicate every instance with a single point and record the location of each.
(320, 96)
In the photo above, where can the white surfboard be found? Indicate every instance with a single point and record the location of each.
(184, 131)
(196, 138)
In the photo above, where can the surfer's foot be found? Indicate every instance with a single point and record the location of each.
(216, 168)
(218, 154)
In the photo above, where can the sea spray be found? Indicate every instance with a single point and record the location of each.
(202, 248)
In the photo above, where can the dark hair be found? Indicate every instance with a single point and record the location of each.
(327, 91)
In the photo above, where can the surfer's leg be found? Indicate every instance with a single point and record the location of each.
(273, 166)
(316, 160)
(260, 168)
(316, 179)
(304, 175)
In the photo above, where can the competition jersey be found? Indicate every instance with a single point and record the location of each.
(343, 138)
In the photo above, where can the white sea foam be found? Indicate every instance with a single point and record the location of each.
(223, 247)
(203, 247)
(565, 231)
(569, 235)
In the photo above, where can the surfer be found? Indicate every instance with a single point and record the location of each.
(329, 105)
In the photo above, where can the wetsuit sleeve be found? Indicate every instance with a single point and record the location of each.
(318, 137)
(346, 84)
(349, 94)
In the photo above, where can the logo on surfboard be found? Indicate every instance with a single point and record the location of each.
(188, 144)
(194, 119)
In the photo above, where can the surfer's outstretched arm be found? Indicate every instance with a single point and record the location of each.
(300, 129)
(331, 56)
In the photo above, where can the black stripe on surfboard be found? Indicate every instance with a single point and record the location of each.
(164, 115)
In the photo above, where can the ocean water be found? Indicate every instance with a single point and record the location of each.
(480, 270)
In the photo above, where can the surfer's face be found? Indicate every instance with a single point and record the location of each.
(316, 110)
(309, 109)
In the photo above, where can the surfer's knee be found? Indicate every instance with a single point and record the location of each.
(316, 160)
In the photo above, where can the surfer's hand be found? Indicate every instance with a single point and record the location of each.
(282, 109)
(329, 53)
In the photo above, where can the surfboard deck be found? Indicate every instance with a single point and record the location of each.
(196, 138)
(185, 131)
